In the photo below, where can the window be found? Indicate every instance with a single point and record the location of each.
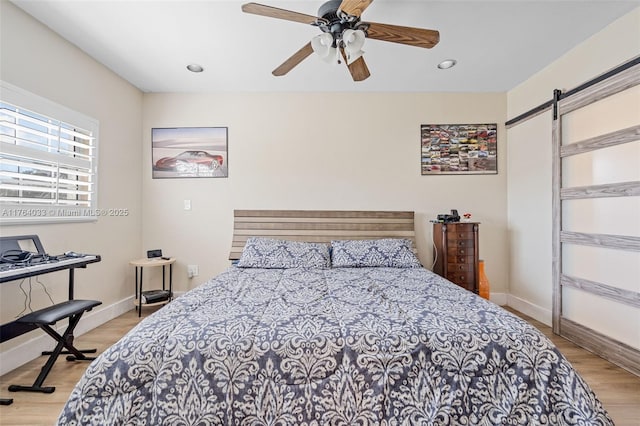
(48, 160)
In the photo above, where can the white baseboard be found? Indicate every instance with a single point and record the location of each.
(499, 299)
(32, 349)
(536, 312)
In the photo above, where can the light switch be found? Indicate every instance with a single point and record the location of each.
(187, 204)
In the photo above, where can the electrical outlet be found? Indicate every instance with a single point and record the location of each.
(192, 271)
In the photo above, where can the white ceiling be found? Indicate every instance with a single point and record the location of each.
(498, 44)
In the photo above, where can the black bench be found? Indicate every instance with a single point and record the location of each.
(44, 318)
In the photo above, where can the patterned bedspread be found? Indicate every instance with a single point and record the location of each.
(335, 346)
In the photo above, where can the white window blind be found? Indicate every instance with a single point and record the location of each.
(48, 160)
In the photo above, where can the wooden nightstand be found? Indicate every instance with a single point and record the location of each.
(166, 297)
(457, 253)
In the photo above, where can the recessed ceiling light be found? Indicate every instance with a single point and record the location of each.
(195, 68)
(446, 64)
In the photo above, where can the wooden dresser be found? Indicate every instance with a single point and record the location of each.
(456, 253)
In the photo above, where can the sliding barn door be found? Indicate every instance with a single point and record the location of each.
(596, 218)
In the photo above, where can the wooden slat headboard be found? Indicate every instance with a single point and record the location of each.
(319, 226)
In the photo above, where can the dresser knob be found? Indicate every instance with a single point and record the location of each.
(461, 251)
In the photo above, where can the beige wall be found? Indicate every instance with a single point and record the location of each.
(295, 150)
(529, 158)
(318, 151)
(37, 60)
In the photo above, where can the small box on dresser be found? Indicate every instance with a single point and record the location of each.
(456, 253)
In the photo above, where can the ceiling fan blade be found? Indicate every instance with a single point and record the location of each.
(294, 60)
(358, 68)
(354, 7)
(274, 12)
(418, 37)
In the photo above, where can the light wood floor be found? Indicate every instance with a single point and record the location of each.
(618, 389)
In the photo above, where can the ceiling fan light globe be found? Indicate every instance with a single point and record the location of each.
(353, 40)
(321, 41)
(333, 57)
(322, 46)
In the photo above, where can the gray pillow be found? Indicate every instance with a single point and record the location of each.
(271, 253)
(386, 252)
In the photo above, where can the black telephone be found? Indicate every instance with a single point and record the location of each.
(448, 218)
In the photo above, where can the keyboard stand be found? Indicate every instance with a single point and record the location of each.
(16, 328)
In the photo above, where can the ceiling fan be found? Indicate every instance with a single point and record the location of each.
(343, 34)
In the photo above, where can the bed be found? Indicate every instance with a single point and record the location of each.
(328, 318)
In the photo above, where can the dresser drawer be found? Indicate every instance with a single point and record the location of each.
(452, 268)
(460, 235)
(460, 259)
(465, 279)
(464, 250)
(461, 243)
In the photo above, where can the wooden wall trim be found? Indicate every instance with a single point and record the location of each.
(612, 350)
(630, 134)
(556, 224)
(624, 80)
(628, 297)
(621, 242)
(622, 189)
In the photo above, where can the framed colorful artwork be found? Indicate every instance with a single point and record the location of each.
(458, 149)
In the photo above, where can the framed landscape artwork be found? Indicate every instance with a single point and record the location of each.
(458, 149)
(189, 152)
